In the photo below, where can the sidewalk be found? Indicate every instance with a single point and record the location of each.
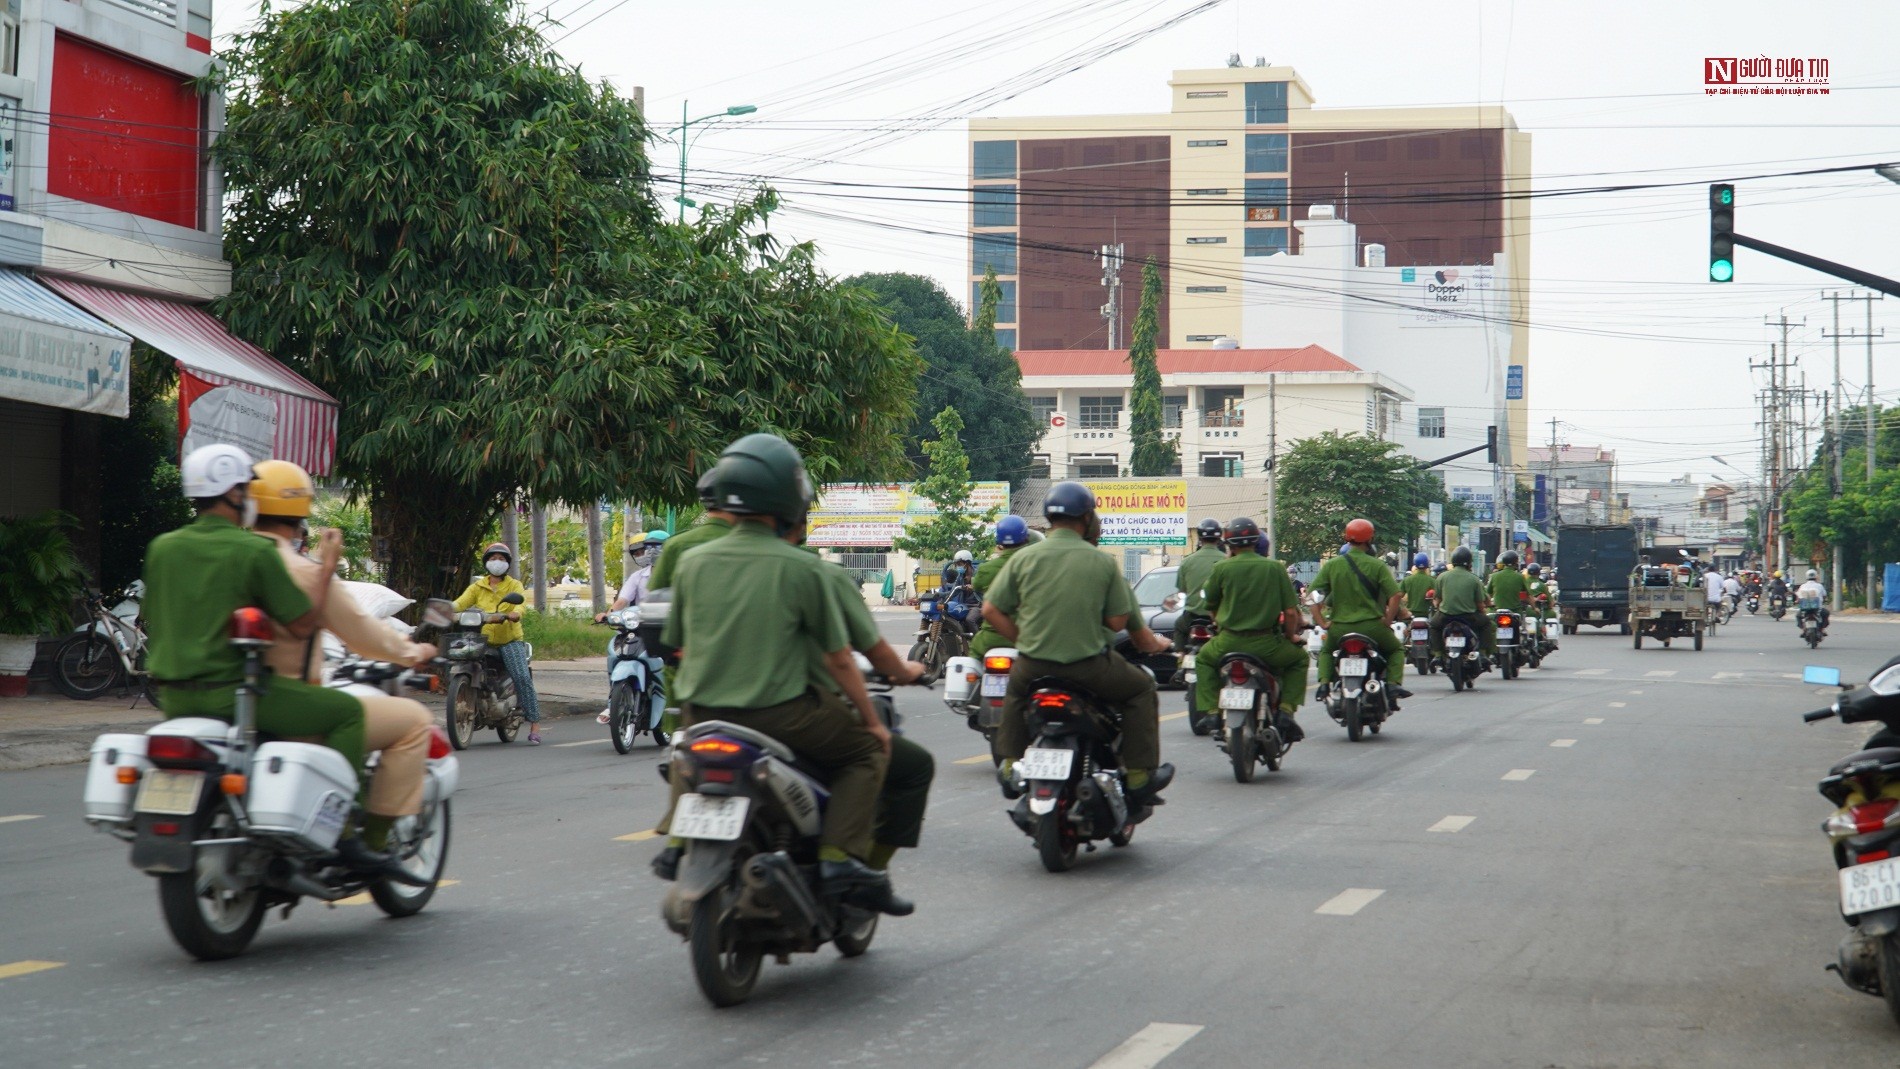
(52, 729)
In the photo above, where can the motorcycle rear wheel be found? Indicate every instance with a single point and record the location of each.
(209, 923)
(621, 728)
(85, 666)
(726, 968)
(1351, 714)
(1242, 745)
(1055, 844)
(464, 712)
(855, 937)
(424, 851)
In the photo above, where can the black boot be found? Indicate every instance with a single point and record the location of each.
(861, 885)
(1149, 793)
(359, 858)
(1289, 728)
(666, 863)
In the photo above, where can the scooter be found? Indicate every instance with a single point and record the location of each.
(1250, 700)
(1200, 633)
(975, 690)
(1464, 655)
(481, 693)
(636, 695)
(1808, 618)
(1358, 699)
(1510, 654)
(1754, 602)
(1418, 639)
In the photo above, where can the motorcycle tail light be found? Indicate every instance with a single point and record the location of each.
(1863, 818)
(1355, 645)
(1873, 855)
(165, 827)
(179, 750)
(249, 624)
(438, 741)
(1200, 633)
(717, 775)
(1237, 673)
(1505, 620)
(720, 747)
(1052, 701)
(997, 664)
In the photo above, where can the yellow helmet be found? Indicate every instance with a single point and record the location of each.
(282, 489)
(1777, 573)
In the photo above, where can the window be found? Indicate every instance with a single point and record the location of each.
(1266, 200)
(1005, 305)
(1208, 94)
(1006, 339)
(1094, 465)
(1101, 413)
(1266, 241)
(1220, 465)
(1431, 423)
(1042, 406)
(993, 250)
(1206, 192)
(1210, 142)
(1266, 102)
(1423, 148)
(995, 206)
(1220, 406)
(1039, 466)
(1207, 289)
(1172, 407)
(993, 159)
(1266, 152)
(1373, 149)
(1207, 241)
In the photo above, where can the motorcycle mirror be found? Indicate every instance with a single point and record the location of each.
(438, 612)
(512, 599)
(1887, 683)
(1829, 677)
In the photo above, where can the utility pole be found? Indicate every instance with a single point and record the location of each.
(1550, 480)
(1112, 256)
(538, 525)
(1273, 463)
(1840, 404)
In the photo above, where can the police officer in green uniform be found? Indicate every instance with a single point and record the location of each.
(1190, 579)
(1012, 534)
(1060, 602)
(196, 577)
(1539, 600)
(748, 611)
(1251, 598)
(718, 522)
(1361, 596)
(1417, 587)
(1509, 589)
(1460, 595)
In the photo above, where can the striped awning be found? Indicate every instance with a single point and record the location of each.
(305, 431)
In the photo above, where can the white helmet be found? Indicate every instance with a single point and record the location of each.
(212, 470)
(964, 554)
(1812, 574)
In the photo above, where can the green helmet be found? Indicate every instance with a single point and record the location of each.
(762, 475)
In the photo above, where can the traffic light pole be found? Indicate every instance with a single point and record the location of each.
(1826, 267)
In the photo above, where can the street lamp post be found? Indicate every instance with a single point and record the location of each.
(684, 129)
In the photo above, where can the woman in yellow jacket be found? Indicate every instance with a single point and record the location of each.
(486, 594)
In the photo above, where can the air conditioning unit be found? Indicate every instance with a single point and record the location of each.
(1321, 211)
(1375, 255)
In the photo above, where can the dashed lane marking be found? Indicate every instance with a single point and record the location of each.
(1593, 671)
(1518, 775)
(1619, 705)
(1636, 692)
(1348, 902)
(1731, 675)
(18, 817)
(637, 837)
(1563, 744)
(1176, 716)
(977, 760)
(1450, 824)
(1146, 1048)
(583, 742)
(23, 968)
(364, 899)
(1660, 673)
(1593, 720)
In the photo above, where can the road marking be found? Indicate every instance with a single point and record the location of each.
(1146, 1048)
(1593, 671)
(18, 817)
(584, 742)
(1619, 705)
(1638, 692)
(364, 899)
(1348, 902)
(1563, 744)
(1593, 720)
(977, 760)
(637, 837)
(1661, 673)
(1731, 675)
(1790, 675)
(23, 968)
(1176, 716)
(1518, 775)
(1452, 824)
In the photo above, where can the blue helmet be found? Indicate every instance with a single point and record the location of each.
(1011, 531)
(1070, 500)
(1422, 560)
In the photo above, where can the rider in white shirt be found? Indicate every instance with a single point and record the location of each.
(1732, 591)
(633, 591)
(1813, 592)
(1712, 582)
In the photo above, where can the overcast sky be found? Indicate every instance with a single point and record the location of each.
(1631, 349)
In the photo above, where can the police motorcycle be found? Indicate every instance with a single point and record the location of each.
(1249, 701)
(748, 882)
(1464, 655)
(1416, 634)
(636, 695)
(974, 690)
(1865, 832)
(481, 694)
(1357, 699)
(943, 631)
(1514, 651)
(1200, 633)
(233, 823)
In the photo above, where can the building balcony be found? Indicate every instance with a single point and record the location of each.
(1223, 419)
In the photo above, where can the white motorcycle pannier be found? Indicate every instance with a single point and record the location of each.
(960, 678)
(106, 798)
(301, 793)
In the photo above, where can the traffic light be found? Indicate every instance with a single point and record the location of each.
(1721, 232)
(1490, 445)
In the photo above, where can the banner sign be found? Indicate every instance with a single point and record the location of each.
(1141, 512)
(232, 416)
(49, 364)
(859, 515)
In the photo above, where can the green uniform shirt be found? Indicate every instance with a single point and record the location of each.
(1539, 588)
(1508, 586)
(1415, 587)
(1058, 591)
(1191, 577)
(987, 637)
(677, 545)
(745, 610)
(1249, 593)
(195, 578)
(1347, 601)
(1459, 592)
(858, 624)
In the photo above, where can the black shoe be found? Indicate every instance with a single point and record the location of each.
(1149, 793)
(861, 885)
(666, 863)
(1289, 728)
(1397, 691)
(1320, 692)
(1007, 781)
(359, 858)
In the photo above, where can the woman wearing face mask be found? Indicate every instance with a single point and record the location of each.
(486, 594)
(642, 554)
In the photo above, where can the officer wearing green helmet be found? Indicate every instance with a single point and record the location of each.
(747, 611)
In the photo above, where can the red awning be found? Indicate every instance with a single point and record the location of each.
(305, 432)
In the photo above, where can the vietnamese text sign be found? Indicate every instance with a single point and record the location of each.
(1514, 382)
(1141, 512)
(232, 416)
(47, 364)
(875, 514)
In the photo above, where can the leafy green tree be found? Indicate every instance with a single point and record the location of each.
(140, 486)
(963, 366)
(1331, 478)
(351, 517)
(441, 222)
(948, 487)
(1153, 453)
(1865, 515)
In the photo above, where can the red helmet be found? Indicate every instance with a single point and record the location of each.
(1359, 531)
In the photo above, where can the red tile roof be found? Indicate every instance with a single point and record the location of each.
(1038, 362)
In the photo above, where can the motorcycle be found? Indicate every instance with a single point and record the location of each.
(748, 882)
(636, 696)
(234, 824)
(1777, 607)
(940, 634)
(1418, 639)
(1808, 618)
(1358, 698)
(1073, 786)
(1511, 655)
(481, 694)
(1200, 633)
(1865, 833)
(1464, 655)
(1754, 602)
(974, 690)
(108, 649)
(1249, 700)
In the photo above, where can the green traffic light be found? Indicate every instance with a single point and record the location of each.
(1721, 270)
(1727, 196)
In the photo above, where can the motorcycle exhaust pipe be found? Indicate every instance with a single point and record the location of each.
(774, 874)
(282, 876)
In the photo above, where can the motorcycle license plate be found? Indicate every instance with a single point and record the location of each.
(1039, 763)
(1421, 635)
(1455, 642)
(927, 606)
(710, 816)
(995, 686)
(1507, 632)
(173, 793)
(1875, 885)
(1189, 676)
(1352, 666)
(1236, 697)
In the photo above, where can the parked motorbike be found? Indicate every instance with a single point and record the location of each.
(1417, 637)
(1358, 698)
(748, 882)
(1071, 777)
(1200, 633)
(481, 694)
(1808, 619)
(1865, 833)
(1249, 701)
(109, 649)
(234, 823)
(636, 695)
(940, 634)
(975, 689)
(1464, 655)
(1511, 654)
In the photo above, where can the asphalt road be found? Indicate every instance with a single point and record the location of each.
(1614, 861)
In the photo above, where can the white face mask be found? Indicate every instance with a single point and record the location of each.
(497, 567)
(248, 512)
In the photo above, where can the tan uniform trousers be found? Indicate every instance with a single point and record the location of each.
(399, 727)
